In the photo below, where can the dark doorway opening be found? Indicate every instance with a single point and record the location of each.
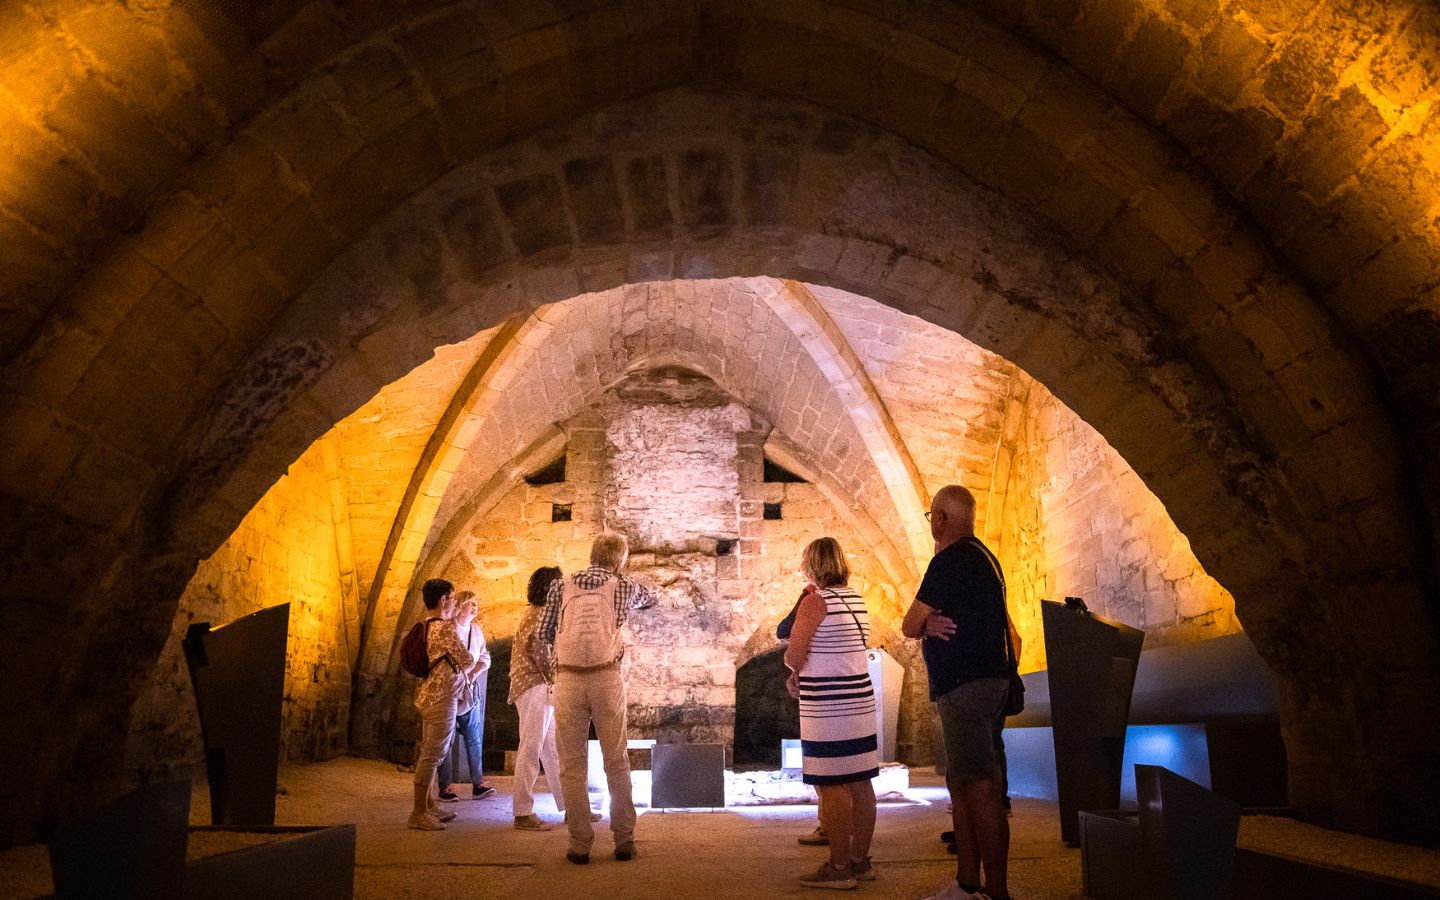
(765, 713)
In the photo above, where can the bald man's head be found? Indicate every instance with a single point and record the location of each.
(952, 515)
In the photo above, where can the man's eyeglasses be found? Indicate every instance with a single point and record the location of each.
(927, 515)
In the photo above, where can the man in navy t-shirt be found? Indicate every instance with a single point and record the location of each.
(959, 612)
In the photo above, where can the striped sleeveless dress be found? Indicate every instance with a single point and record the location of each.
(837, 701)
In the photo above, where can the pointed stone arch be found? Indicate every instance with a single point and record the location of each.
(217, 268)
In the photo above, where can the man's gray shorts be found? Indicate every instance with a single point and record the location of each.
(967, 719)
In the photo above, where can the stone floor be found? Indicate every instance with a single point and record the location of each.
(741, 852)
(738, 853)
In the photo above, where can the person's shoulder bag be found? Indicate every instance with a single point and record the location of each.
(1015, 689)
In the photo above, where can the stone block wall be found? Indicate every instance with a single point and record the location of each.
(676, 464)
(284, 551)
(1080, 522)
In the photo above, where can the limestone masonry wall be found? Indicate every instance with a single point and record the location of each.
(1081, 523)
(673, 462)
(284, 551)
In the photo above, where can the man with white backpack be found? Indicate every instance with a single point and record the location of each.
(583, 618)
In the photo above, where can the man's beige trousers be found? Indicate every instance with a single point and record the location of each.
(582, 698)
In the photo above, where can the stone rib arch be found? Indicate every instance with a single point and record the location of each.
(1118, 368)
(910, 282)
(716, 322)
(808, 321)
(1121, 188)
(431, 478)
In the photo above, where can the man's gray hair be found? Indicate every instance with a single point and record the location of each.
(957, 502)
(609, 550)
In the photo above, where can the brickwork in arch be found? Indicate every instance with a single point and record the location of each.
(170, 312)
(944, 393)
(579, 348)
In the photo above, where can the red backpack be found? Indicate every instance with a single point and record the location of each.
(414, 654)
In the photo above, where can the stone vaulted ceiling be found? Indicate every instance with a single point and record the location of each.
(936, 406)
(569, 354)
(1210, 228)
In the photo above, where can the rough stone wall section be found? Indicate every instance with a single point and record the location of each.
(283, 551)
(1083, 524)
(671, 480)
(714, 612)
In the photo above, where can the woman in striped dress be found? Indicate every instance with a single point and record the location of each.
(830, 674)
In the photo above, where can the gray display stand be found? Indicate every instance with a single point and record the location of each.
(135, 848)
(687, 776)
(239, 675)
(888, 678)
(1180, 845)
(1091, 674)
(303, 862)
(131, 848)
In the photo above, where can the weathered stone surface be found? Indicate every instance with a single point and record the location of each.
(595, 197)
(705, 191)
(108, 106)
(534, 208)
(649, 194)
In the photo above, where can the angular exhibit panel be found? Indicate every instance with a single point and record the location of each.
(1183, 838)
(140, 846)
(294, 862)
(239, 675)
(1092, 672)
(132, 847)
(1188, 834)
(1204, 710)
(888, 677)
(687, 776)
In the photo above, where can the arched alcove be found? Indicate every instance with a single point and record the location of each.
(1227, 270)
(764, 713)
(1022, 452)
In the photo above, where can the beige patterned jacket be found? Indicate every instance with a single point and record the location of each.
(445, 680)
(529, 656)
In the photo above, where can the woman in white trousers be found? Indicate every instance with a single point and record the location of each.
(532, 693)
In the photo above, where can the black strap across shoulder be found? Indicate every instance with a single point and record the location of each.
(1010, 659)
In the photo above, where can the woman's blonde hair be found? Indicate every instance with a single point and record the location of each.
(465, 597)
(824, 563)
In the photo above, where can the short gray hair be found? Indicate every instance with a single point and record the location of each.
(609, 550)
(957, 502)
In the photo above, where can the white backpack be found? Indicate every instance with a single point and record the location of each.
(586, 636)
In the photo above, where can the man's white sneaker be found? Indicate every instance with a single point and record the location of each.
(953, 891)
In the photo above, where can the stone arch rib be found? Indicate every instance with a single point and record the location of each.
(432, 474)
(798, 308)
